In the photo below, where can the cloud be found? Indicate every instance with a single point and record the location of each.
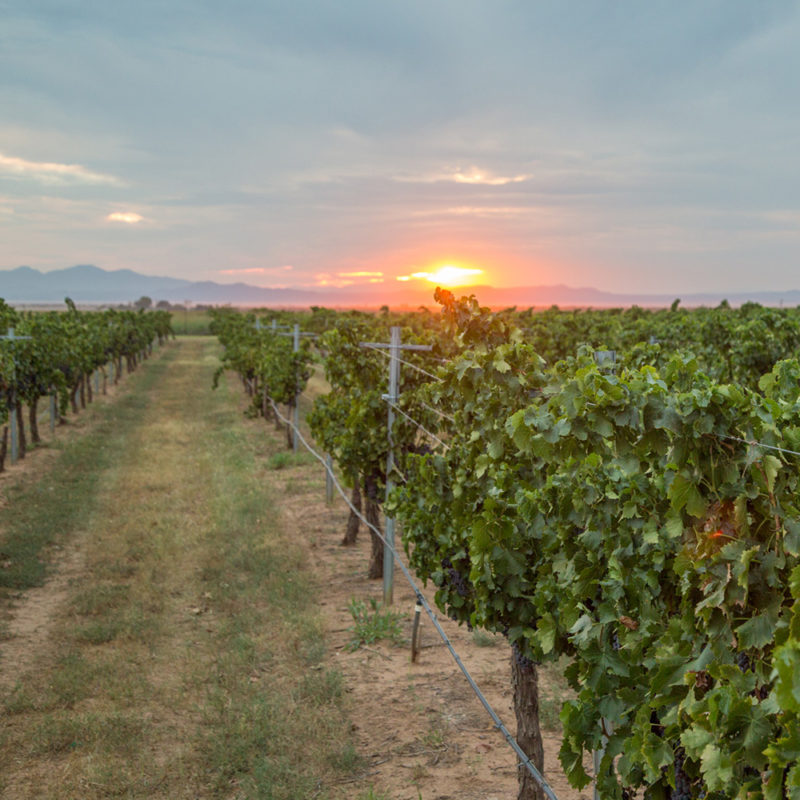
(128, 217)
(53, 173)
(488, 211)
(340, 279)
(472, 175)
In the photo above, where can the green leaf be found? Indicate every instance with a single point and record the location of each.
(695, 740)
(683, 493)
(759, 630)
(717, 767)
(546, 633)
(786, 663)
(772, 466)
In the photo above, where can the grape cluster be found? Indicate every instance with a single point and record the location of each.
(615, 640)
(456, 579)
(523, 662)
(743, 662)
(683, 785)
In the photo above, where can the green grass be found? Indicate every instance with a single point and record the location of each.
(191, 323)
(48, 511)
(195, 610)
(373, 623)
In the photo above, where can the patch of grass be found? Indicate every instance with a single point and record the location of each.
(58, 733)
(373, 623)
(374, 794)
(287, 458)
(100, 599)
(192, 322)
(484, 639)
(554, 691)
(132, 623)
(278, 460)
(47, 511)
(321, 688)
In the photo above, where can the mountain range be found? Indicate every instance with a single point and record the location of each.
(89, 284)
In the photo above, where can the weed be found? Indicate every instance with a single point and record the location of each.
(278, 461)
(347, 759)
(554, 691)
(97, 600)
(373, 624)
(107, 732)
(433, 738)
(483, 639)
(373, 794)
(283, 459)
(321, 688)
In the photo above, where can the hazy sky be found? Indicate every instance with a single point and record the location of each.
(625, 145)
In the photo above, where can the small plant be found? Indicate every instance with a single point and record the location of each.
(373, 623)
(278, 461)
(371, 794)
(483, 639)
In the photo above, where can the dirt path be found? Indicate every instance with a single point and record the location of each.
(28, 631)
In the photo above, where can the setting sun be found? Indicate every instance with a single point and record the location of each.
(447, 275)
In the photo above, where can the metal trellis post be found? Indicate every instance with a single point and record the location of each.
(395, 346)
(12, 412)
(295, 349)
(394, 383)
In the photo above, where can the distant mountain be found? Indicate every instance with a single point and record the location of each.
(89, 284)
(86, 283)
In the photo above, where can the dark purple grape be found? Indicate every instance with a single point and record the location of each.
(743, 662)
(522, 661)
(683, 784)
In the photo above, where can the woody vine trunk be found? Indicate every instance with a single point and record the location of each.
(373, 515)
(525, 681)
(353, 521)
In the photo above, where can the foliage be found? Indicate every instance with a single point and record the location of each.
(637, 518)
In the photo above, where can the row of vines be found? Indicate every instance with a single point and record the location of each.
(55, 353)
(634, 518)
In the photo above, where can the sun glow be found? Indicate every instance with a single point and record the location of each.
(447, 275)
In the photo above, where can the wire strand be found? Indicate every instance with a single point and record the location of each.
(383, 352)
(754, 443)
(437, 411)
(523, 756)
(418, 424)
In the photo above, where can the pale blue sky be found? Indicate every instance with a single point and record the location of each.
(647, 146)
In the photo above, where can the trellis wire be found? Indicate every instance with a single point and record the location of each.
(523, 756)
(418, 424)
(403, 361)
(437, 411)
(754, 443)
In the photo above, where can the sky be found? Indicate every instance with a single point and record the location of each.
(630, 146)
